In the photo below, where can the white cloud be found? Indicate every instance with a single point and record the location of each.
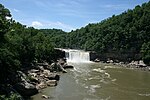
(61, 26)
(16, 10)
(50, 25)
(36, 24)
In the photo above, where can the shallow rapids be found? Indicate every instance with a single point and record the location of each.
(97, 81)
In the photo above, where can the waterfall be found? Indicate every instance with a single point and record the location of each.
(73, 55)
(77, 55)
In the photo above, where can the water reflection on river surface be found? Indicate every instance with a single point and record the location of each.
(97, 81)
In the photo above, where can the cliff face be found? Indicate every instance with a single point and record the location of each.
(117, 57)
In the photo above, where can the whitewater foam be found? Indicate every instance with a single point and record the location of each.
(146, 94)
(99, 70)
(93, 88)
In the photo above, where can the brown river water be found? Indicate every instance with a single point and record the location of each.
(99, 81)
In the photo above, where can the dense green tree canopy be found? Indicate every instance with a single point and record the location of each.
(20, 46)
(119, 37)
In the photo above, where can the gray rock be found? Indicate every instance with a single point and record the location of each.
(54, 76)
(25, 89)
(45, 97)
(42, 85)
(51, 83)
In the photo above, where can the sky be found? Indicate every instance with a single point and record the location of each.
(66, 14)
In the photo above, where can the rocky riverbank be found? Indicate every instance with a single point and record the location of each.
(138, 65)
(32, 81)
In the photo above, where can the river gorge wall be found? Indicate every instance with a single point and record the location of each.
(117, 57)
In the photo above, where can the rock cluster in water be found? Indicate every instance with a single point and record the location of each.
(133, 64)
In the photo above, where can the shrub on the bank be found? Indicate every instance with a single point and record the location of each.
(8, 64)
(13, 96)
(146, 53)
(146, 59)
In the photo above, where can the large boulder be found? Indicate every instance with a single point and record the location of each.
(138, 63)
(42, 85)
(97, 60)
(142, 64)
(47, 73)
(45, 96)
(25, 88)
(51, 83)
(54, 76)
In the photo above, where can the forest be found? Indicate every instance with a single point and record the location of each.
(20, 48)
(124, 37)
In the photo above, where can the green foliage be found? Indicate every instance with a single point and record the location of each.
(146, 53)
(8, 61)
(4, 22)
(8, 64)
(13, 96)
(43, 47)
(57, 37)
(21, 45)
(122, 35)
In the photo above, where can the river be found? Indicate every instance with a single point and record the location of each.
(99, 81)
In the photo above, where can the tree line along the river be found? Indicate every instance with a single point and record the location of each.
(124, 37)
(121, 36)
